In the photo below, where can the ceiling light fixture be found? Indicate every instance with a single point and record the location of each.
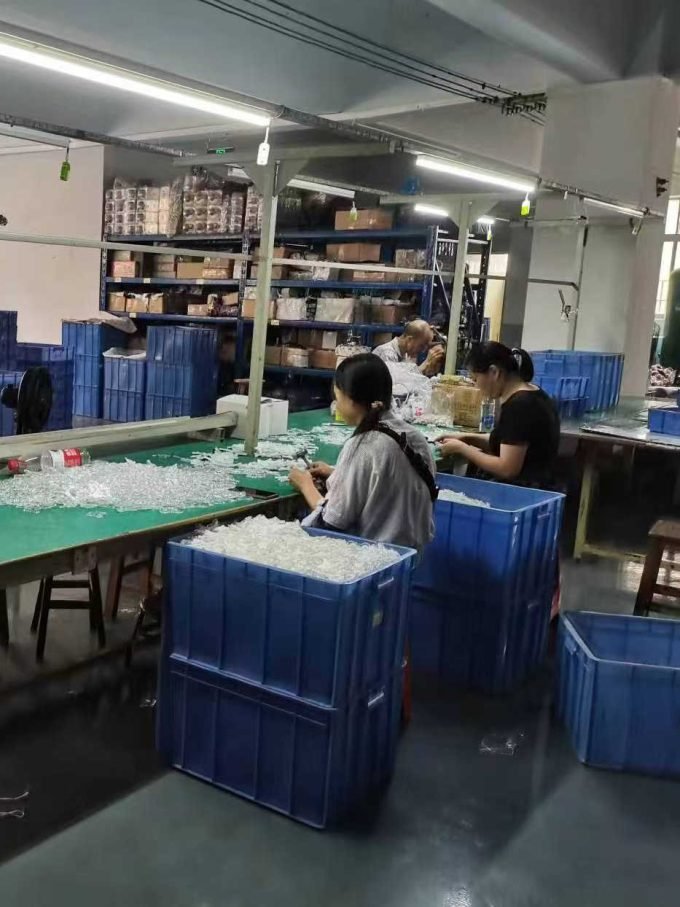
(486, 221)
(431, 209)
(612, 206)
(473, 173)
(50, 58)
(313, 186)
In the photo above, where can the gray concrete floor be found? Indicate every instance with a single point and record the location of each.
(106, 824)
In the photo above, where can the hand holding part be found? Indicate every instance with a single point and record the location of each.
(321, 470)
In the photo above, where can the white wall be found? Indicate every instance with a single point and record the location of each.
(48, 283)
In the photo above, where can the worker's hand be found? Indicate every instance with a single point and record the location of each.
(450, 447)
(300, 479)
(436, 353)
(321, 470)
(433, 361)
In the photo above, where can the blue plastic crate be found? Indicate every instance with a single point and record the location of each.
(90, 338)
(563, 389)
(88, 385)
(7, 421)
(124, 389)
(497, 553)
(573, 409)
(8, 339)
(314, 764)
(179, 390)
(603, 369)
(618, 690)
(479, 645)
(175, 345)
(665, 421)
(314, 639)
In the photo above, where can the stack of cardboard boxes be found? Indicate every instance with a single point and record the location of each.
(304, 348)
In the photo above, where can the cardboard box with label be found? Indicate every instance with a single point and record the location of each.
(116, 302)
(364, 219)
(189, 270)
(198, 309)
(248, 309)
(125, 269)
(137, 303)
(353, 252)
(294, 356)
(391, 312)
(125, 255)
(167, 304)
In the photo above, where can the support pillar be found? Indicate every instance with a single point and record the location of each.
(464, 222)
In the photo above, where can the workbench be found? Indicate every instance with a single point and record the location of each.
(597, 435)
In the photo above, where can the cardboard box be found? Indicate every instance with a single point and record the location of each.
(240, 269)
(248, 309)
(217, 273)
(354, 251)
(125, 268)
(189, 270)
(322, 359)
(340, 311)
(122, 255)
(272, 355)
(368, 276)
(391, 313)
(137, 303)
(277, 252)
(198, 309)
(294, 356)
(325, 272)
(366, 219)
(291, 309)
(162, 270)
(410, 258)
(229, 300)
(116, 302)
(167, 304)
(279, 272)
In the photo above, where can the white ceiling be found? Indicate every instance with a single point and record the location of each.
(526, 45)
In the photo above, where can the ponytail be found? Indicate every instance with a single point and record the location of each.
(366, 380)
(511, 361)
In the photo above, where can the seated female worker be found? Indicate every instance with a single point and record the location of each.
(383, 485)
(522, 448)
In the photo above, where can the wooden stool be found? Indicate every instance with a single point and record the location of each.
(120, 569)
(663, 534)
(45, 603)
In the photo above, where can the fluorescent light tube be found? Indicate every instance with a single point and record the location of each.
(473, 173)
(611, 206)
(431, 209)
(322, 187)
(486, 221)
(134, 83)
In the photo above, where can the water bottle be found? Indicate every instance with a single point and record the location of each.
(62, 459)
(487, 415)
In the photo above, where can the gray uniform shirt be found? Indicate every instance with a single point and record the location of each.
(390, 352)
(375, 493)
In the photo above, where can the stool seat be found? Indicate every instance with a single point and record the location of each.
(664, 534)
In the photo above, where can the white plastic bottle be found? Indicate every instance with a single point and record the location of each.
(64, 459)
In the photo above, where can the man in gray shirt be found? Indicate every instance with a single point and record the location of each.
(416, 339)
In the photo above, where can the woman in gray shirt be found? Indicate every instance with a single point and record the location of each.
(383, 485)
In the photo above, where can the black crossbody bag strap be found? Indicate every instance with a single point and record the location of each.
(414, 458)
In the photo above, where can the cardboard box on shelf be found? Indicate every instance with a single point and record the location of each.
(167, 304)
(125, 268)
(277, 252)
(365, 219)
(391, 312)
(115, 302)
(369, 276)
(227, 300)
(329, 340)
(340, 311)
(198, 309)
(279, 272)
(272, 355)
(353, 252)
(294, 356)
(248, 309)
(123, 255)
(217, 273)
(240, 269)
(325, 272)
(137, 303)
(291, 309)
(322, 359)
(410, 258)
(189, 270)
(163, 270)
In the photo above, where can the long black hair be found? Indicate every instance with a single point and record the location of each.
(366, 380)
(512, 362)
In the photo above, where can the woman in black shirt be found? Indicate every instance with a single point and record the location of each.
(522, 448)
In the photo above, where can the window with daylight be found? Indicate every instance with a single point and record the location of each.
(670, 257)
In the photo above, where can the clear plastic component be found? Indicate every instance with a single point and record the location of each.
(458, 497)
(286, 546)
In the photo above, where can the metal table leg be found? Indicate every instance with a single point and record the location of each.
(4, 620)
(587, 488)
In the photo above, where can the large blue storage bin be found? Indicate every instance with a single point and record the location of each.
(124, 389)
(619, 690)
(179, 390)
(58, 360)
(665, 421)
(321, 641)
(563, 388)
(88, 385)
(498, 553)
(8, 339)
(7, 421)
(90, 338)
(311, 763)
(181, 345)
(603, 369)
(482, 594)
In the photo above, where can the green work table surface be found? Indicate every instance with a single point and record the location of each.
(36, 536)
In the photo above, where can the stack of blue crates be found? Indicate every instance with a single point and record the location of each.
(665, 420)
(124, 388)
(604, 370)
(570, 394)
(482, 595)
(58, 360)
(8, 340)
(88, 340)
(618, 690)
(280, 687)
(181, 377)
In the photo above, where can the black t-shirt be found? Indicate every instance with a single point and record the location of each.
(531, 418)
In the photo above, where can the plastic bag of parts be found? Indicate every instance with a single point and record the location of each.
(411, 390)
(501, 744)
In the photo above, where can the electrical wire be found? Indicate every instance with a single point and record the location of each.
(251, 18)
